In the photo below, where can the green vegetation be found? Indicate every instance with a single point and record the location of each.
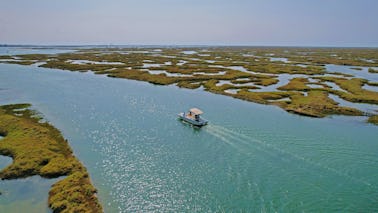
(317, 104)
(3, 57)
(371, 70)
(373, 84)
(373, 119)
(38, 148)
(24, 62)
(246, 70)
(261, 97)
(298, 84)
(355, 91)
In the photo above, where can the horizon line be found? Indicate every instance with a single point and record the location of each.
(183, 45)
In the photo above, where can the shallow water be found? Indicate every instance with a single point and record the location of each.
(150, 65)
(371, 88)
(223, 82)
(285, 60)
(189, 52)
(283, 79)
(93, 62)
(315, 86)
(158, 72)
(181, 62)
(4, 160)
(334, 86)
(29, 50)
(249, 158)
(232, 91)
(369, 108)
(238, 68)
(364, 73)
(25, 195)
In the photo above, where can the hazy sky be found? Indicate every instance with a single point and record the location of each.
(190, 22)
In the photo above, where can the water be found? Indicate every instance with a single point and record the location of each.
(150, 65)
(369, 108)
(23, 195)
(4, 160)
(169, 74)
(189, 52)
(223, 82)
(94, 62)
(315, 86)
(364, 73)
(334, 86)
(232, 91)
(283, 79)
(285, 60)
(181, 62)
(29, 50)
(371, 88)
(238, 68)
(251, 157)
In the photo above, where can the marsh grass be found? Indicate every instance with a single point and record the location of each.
(371, 70)
(373, 119)
(298, 84)
(355, 92)
(201, 68)
(39, 149)
(317, 104)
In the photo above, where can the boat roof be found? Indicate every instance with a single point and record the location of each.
(196, 111)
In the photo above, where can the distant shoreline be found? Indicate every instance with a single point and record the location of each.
(180, 46)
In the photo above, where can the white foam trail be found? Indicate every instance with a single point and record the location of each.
(234, 138)
(224, 139)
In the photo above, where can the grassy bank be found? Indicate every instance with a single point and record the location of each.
(37, 148)
(373, 119)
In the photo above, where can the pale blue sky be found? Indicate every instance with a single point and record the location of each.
(190, 22)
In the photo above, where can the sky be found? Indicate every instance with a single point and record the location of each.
(190, 22)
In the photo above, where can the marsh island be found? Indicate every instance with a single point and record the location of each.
(37, 148)
(305, 81)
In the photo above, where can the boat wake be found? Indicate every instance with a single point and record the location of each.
(248, 145)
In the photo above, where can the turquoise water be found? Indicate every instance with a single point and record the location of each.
(249, 158)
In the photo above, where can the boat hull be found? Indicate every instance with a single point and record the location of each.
(200, 122)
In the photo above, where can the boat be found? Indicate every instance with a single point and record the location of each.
(193, 117)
